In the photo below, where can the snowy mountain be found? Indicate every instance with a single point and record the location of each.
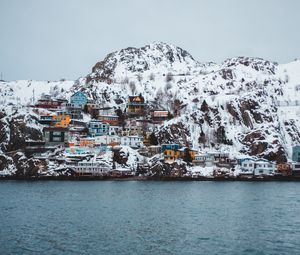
(251, 102)
(243, 105)
(156, 58)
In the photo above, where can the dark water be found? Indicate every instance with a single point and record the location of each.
(149, 217)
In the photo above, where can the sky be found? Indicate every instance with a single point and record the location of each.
(55, 39)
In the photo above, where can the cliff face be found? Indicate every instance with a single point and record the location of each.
(18, 126)
(243, 105)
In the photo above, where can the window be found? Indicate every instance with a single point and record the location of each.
(261, 171)
(56, 139)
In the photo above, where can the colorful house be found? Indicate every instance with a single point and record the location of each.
(171, 151)
(284, 169)
(159, 116)
(46, 120)
(296, 153)
(87, 142)
(171, 155)
(79, 99)
(98, 128)
(110, 119)
(191, 153)
(48, 103)
(61, 119)
(136, 105)
(172, 146)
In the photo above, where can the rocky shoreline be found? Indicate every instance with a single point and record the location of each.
(149, 178)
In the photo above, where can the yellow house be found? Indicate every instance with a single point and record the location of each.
(192, 153)
(174, 154)
(136, 104)
(61, 119)
(171, 155)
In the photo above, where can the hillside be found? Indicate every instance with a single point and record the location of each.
(243, 105)
(244, 96)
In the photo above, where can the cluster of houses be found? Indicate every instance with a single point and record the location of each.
(247, 166)
(66, 125)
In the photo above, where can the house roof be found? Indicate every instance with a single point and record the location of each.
(79, 92)
(136, 99)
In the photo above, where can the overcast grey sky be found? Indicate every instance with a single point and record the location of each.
(53, 39)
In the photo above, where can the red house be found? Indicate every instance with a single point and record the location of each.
(110, 119)
(48, 103)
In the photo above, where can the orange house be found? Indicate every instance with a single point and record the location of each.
(61, 119)
(87, 142)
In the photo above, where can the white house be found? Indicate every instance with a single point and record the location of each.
(114, 130)
(132, 130)
(132, 141)
(264, 167)
(107, 140)
(92, 168)
(248, 166)
(203, 159)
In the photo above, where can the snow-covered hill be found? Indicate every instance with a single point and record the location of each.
(243, 105)
(26, 92)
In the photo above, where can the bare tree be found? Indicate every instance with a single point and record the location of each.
(152, 77)
(125, 80)
(139, 77)
(132, 87)
(169, 77)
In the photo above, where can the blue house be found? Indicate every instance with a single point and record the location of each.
(79, 99)
(98, 128)
(173, 147)
(296, 153)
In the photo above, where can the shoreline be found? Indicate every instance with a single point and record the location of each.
(150, 178)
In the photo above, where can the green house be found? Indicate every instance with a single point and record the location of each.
(296, 153)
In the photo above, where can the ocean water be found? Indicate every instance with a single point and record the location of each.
(149, 217)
